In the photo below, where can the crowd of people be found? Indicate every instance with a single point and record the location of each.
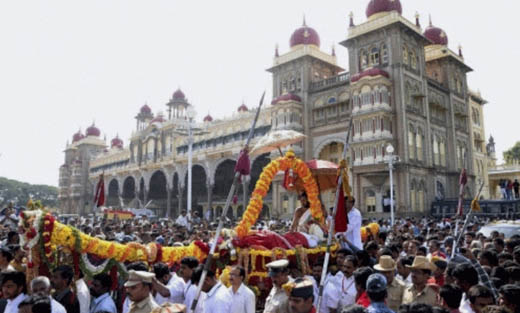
(408, 267)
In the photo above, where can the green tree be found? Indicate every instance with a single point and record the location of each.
(513, 154)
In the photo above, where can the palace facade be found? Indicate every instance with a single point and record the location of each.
(403, 87)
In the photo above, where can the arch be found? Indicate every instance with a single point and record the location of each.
(333, 152)
(199, 189)
(158, 193)
(265, 212)
(129, 189)
(113, 193)
(224, 172)
(344, 96)
(240, 210)
(257, 165)
(324, 143)
(142, 190)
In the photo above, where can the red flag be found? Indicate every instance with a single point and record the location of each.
(340, 224)
(99, 198)
(463, 180)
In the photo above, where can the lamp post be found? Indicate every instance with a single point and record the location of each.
(390, 151)
(189, 131)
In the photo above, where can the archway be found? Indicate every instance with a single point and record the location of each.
(128, 190)
(157, 193)
(113, 194)
(141, 190)
(175, 196)
(332, 152)
(223, 180)
(199, 192)
(256, 169)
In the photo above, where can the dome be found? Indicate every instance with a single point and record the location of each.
(208, 118)
(158, 119)
(286, 97)
(145, 109)
(304, 35)
(243, 108)
(178, 95)
(77, 136)
(436, 35)
(371, 72)
(93, 131)
(116, 142)
(378, 6)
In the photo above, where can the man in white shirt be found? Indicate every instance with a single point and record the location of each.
(41, 285)
(169, 288)
(183, 220)
(218, 298)
(83, 295)
(13, 289)
(353, 233)
(243, 298)
(101, 298)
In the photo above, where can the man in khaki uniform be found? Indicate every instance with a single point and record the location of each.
(395, 288)
(139, 291)
(419, 292)
(277, 301)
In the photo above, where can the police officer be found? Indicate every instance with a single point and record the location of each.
(277, 301)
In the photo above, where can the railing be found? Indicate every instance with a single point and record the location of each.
(497, 208)
(330, 82)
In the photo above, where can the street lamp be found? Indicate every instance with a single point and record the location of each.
(189, 131)
(390, 151)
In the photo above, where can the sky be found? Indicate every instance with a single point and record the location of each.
(65, 64)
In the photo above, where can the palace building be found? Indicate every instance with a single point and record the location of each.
(403, 87)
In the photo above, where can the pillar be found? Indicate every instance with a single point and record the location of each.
(168, 202)
(210, 201)
(181, 190)
(145, 195)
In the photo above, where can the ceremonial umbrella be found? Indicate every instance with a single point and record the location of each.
(276, 140)
(324, 172)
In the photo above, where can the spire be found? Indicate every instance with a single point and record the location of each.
(304, 23)
(276, 54)
(417, 22)
(333, 51)
(460, 51)
(351, 16)
(430, 17)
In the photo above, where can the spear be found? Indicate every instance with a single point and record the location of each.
(224, 214)
(331, 226)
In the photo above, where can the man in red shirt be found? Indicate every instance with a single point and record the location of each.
(360, 278)
(437, 280)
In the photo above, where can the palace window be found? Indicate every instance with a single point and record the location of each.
(384, 52)
(411, 144)
(436, 156)
(405, 55)
(364, 59)
(374, 56)
(418, 142)
(442, 150)
(413, 59)
(413, 187)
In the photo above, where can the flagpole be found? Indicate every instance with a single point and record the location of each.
(331, 226)
(224, 213)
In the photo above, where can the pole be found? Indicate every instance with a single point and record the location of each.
(391, 168)
(190, 160)
(331, 226)
(224, 213)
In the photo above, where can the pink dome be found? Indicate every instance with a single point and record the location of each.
(77, 136)
(179, 95)
(93, 131)
(436, 35)
(378, 6)
(145, 109)
(370, 72)
(243, 108)
(116, 143)
(304, 36)
(286, 97)
(158, 119)
(208, 118)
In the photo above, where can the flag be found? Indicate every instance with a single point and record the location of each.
(463, 180)
(340, 224)
(99, 198)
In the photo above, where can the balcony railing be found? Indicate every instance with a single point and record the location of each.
(330, 82)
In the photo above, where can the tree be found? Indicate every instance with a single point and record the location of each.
(513, 154)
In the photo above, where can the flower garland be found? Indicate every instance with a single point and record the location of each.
(289, 161)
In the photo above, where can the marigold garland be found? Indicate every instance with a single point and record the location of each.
(289, 161)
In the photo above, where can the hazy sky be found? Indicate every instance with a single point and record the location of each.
(64, 64)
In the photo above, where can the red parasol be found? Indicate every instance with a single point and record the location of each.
(324, 172)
